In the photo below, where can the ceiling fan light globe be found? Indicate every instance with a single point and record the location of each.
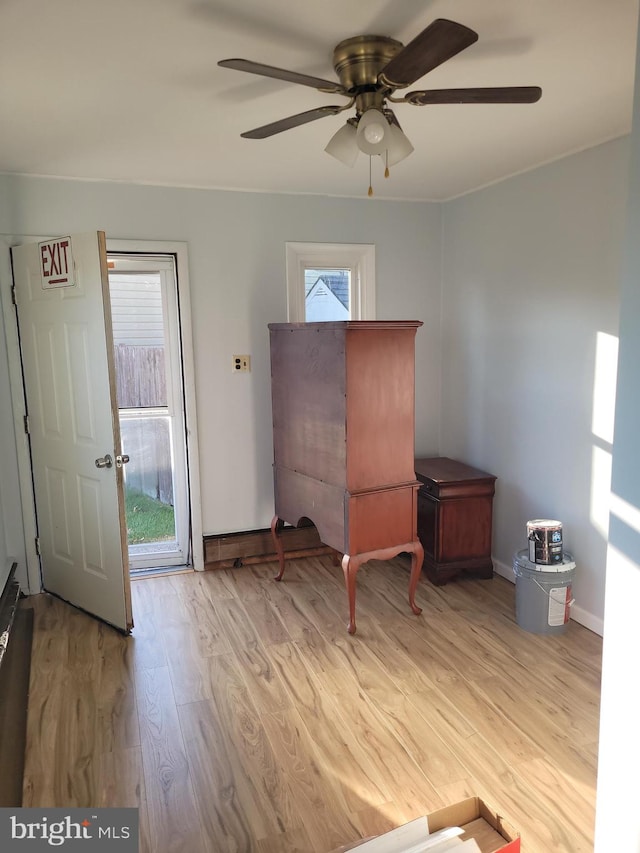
(343, 145)
(398, 146)
(373, 132)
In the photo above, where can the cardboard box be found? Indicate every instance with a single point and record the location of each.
(479, 821)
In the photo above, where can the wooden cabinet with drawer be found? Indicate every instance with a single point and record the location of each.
(343, 437)
(455, 507)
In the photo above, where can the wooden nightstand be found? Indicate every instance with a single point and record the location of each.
(455, 506)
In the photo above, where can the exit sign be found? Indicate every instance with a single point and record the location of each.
(56, 263)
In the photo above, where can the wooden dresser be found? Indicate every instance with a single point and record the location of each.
(455, 510)
(343, 436)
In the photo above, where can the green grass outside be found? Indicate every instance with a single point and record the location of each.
(148, 520)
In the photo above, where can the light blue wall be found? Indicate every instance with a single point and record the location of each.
(531, 270)
(236, 243)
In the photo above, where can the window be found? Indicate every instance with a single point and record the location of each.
(330, 281)
(327, 294)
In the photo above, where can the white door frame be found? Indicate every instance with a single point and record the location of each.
(29, 575)
(30, 580)
(180, 251)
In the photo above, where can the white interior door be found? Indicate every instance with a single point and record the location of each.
(62, 298)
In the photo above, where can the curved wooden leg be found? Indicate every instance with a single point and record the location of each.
(276, 526)
(417, 556)
(350, 566)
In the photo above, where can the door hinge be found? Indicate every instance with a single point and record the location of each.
(26, 424)
(38, 552)
(13, 294)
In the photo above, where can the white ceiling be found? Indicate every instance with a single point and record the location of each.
(130, 90)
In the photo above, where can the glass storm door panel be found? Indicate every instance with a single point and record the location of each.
(151, 412)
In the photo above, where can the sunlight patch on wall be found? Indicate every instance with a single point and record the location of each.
(626, 512)
(602, 425)
(601, 460)
(604, 387)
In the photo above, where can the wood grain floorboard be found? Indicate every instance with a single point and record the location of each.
(315, 796)
(117, 713)
(241, 723)
(336, 744)
(228, 812)
(240, 717)
(208, 631)
(293, 841)
(266, 620)
(146, 648)
(170, 802)
(413, 791)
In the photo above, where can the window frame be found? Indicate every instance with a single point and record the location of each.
(359, 258)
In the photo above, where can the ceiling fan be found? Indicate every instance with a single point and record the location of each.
(370, 69)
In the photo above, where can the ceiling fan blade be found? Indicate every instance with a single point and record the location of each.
(434, 45)
(292, 121)
(282, 74)
(496, 95)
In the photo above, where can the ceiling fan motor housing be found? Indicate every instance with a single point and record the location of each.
(359, 60)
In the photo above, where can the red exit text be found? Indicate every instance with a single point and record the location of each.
(56, 263)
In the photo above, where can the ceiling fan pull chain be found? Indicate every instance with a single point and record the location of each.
(386, 163)
(370, 193)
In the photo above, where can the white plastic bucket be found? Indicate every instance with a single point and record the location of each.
(543, 594)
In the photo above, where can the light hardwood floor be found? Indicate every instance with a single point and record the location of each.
(240, 716)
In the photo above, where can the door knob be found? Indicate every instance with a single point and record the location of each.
(104, 461)
(121, 459)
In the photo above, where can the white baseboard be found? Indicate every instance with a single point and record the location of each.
(578, 614)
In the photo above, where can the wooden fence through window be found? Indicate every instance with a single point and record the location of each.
(141, 384)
